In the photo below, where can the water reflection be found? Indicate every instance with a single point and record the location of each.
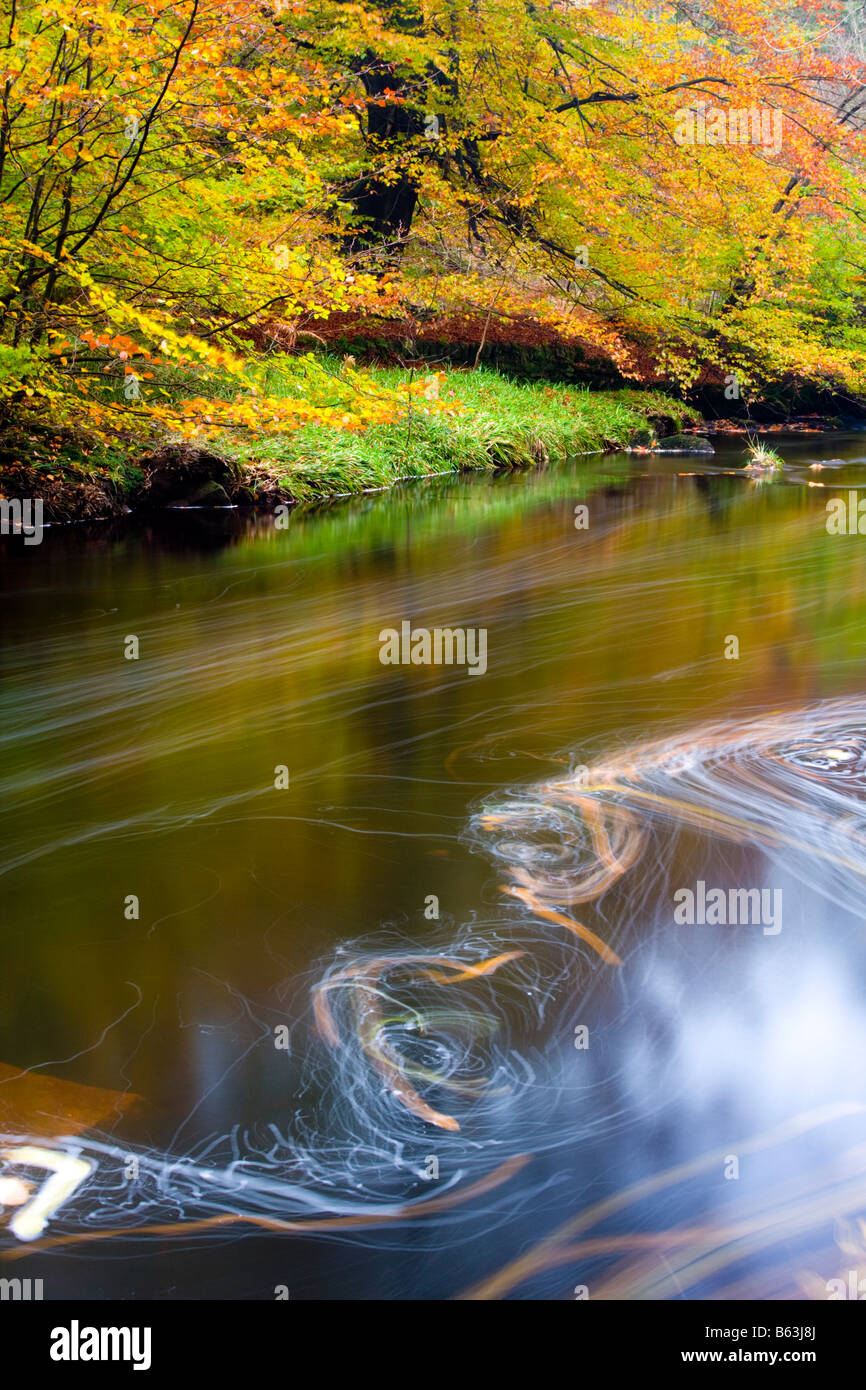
(305, 910)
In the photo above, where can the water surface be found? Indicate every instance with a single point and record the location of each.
(259, 649)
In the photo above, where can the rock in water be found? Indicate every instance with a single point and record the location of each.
(684, 444)
(210, 494)
(642, 439)
(176, 473)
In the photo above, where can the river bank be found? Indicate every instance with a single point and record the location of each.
(465, 421)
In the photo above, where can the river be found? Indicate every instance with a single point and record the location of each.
(299, 901)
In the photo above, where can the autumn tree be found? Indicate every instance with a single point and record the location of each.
(186, 185)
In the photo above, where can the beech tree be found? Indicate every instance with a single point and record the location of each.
(181, 183)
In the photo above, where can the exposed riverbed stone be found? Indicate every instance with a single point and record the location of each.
(184, 474)
(683, 444)
(210, 494)
(642, 439)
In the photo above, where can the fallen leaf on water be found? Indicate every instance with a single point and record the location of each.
(38, 1105)
(14, 1192)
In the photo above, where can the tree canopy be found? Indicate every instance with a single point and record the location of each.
(183, 183)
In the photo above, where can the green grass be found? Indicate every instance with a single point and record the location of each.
(493, 423)
(500, 423)
(762, 456)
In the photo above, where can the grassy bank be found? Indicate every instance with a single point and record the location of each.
(475, 421)
(493, 422)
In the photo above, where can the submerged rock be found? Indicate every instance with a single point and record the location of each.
(684, 444)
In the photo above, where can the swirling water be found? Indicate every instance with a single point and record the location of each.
(412, 1024)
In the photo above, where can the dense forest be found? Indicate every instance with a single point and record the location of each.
(217, 215)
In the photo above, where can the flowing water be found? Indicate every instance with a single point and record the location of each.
(415, 968)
